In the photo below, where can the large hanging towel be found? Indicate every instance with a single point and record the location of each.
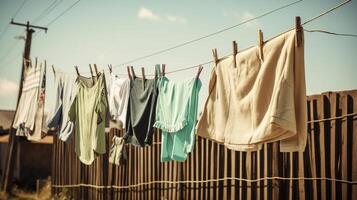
(141, 111)
(64, 98)
(118, 97)
(25, 116)
(88, 112)
(176, 115)
(258, 101)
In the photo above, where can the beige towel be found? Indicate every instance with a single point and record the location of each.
(258, 101)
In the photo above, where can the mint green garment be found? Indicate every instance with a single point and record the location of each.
(176, 116)
(88, 112)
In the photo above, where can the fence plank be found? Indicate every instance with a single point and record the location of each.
(354, 143)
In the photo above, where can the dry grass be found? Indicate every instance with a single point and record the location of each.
(43, 194)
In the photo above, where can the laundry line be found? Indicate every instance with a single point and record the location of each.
(223, 30)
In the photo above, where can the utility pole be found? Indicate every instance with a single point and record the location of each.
(13, 140)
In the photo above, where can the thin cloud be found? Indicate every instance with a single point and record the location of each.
(178, 19)
(147, 14)
(8, 87)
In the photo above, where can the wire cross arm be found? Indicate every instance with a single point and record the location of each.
(28, 25)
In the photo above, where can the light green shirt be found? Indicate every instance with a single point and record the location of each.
(176, 115)
(88, 112)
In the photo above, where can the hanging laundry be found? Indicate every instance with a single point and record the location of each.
(88, 112)
(28, 112)
(38, 133)
(117, 153)
(258, 101)
(118, 97)
(141, 111)
(64, 98)
(176, 115)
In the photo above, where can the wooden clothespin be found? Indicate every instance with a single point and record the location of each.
(132, 72)
(35, 62)
(45, 66)
(96, 70)
(163, 67)
(27, 63)
(143, 75)
(215, 56)
(199, 71)
(91, 73)
(110, 69)
(261, 44)
(77, 70)
(298, 29)
(128, 69)
(53, 69)
(235, 51)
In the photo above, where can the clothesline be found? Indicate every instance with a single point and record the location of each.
(204, 181)
(211, 61)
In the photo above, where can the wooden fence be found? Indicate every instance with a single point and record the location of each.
(326, 170)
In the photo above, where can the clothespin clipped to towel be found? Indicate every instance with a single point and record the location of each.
(235, 51)
(199, 71)
(215, 56)
(53, 69)
(77, 70)
(143, 75)
(298, 29)
(128, 69)
(27, 63)
(261, 44)
(163, 66)
(110, 68)
(96, 70)
(35, 62)
(91, 73)
(132, 72)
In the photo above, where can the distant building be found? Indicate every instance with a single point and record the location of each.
(33, 159)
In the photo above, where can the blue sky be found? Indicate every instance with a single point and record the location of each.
(112, 32)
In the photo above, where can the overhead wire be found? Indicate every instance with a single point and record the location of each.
(48, 10)
(35, 34)
(208, 35)
(306, 22)
(13, 16)
(63, 12)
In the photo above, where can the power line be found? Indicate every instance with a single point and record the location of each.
(48, 10)
(15, 14)
(208, 35)
(64, 12)
(50, 23)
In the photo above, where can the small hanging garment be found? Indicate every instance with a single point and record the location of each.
(24, 120)
(176, 115)
(64, 99)
(117, 153)
(118, 97)
(141, 112)
(258, 101)
(88, 112)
